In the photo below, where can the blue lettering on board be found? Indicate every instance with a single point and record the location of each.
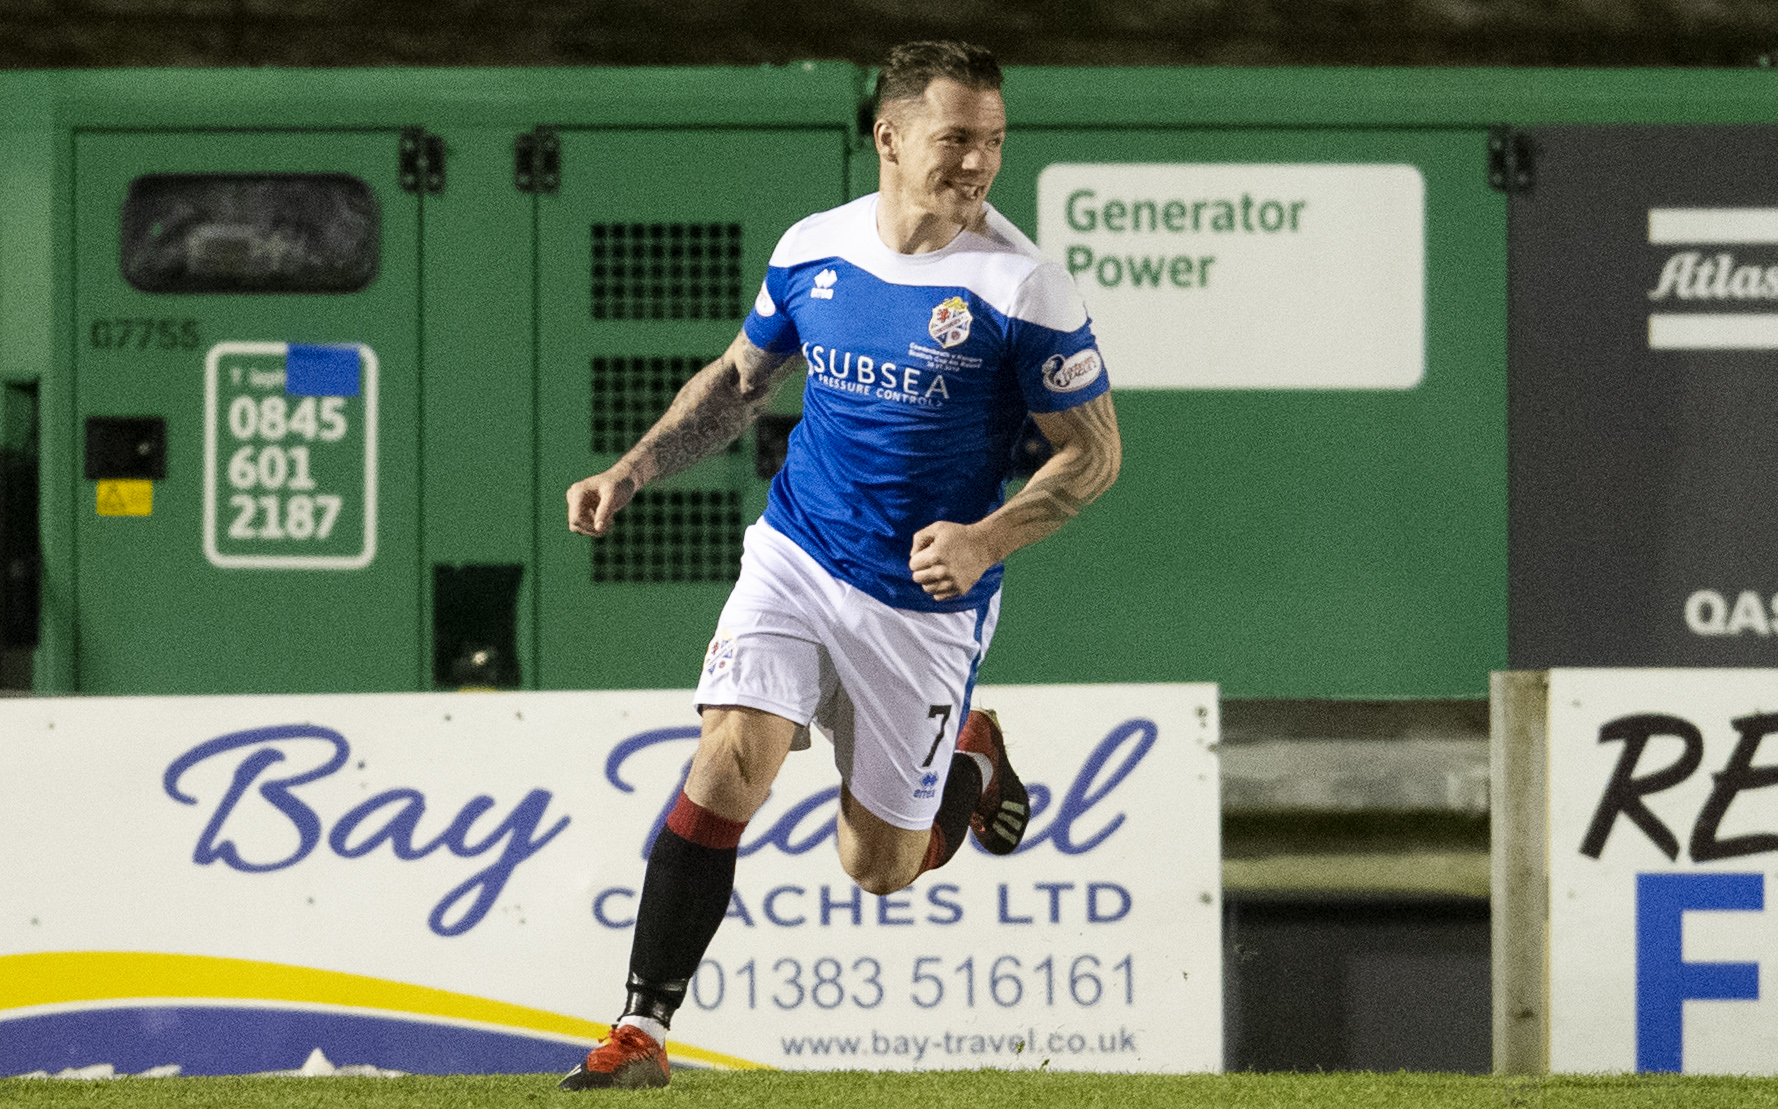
(1664, 980)
(1128, 743)
(390, 817)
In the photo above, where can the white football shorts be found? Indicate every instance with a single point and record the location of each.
(889, 686)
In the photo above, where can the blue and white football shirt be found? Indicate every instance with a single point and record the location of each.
(921, 368)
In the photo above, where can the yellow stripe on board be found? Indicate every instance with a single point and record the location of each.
(61, 977)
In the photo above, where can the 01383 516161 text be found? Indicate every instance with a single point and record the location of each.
(1082, 981)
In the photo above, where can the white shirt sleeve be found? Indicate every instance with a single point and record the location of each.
(1048, 297)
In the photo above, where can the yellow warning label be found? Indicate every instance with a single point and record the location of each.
(126, 498)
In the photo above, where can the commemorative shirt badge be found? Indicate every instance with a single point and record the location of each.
(950, 323)
(1065, 375)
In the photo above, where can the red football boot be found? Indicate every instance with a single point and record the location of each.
(629, 1059)
(999, 818)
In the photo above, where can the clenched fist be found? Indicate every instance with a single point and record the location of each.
(948, 559)
(593, 501)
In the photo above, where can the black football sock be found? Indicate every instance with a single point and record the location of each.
(685, 896)
(963, 792)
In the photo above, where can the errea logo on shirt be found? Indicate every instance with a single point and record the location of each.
(1077, 372)
(823, 289)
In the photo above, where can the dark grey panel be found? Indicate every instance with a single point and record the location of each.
(1637, 477)
(1330, 984)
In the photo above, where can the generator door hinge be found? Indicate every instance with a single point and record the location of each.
(1512, 160)
(537, 161)
(422, 161)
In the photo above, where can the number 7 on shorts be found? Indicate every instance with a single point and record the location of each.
(943, 712)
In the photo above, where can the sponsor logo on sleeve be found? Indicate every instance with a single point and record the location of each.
(1066, 375)
(763, 302)
(950, 323)
(824, 281)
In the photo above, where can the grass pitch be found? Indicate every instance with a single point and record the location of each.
(929, 1090)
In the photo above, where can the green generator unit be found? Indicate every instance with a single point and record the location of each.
(297, 365)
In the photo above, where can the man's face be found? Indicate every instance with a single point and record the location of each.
(947, 146)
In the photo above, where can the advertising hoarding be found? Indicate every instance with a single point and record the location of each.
(1256, 276)
(1643, 268)
(1662, 832)
(446, 883)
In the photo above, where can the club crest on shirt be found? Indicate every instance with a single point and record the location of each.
(721, 654)
(950, 322)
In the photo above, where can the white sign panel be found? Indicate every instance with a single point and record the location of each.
(290, 456)
(1703, 274)
(446, 883)
(1262, 276)
(1663, 830)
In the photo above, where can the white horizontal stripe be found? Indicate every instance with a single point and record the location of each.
(1713, 331)
(1669, 226)
(993, 266)
(246, 1002)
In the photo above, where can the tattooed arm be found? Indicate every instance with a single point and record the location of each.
(949, 558)
(714, 407)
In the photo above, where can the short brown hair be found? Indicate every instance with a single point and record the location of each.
(914, 65)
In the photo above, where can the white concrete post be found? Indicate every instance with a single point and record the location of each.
(1519, 841)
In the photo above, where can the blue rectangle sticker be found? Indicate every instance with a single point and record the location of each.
(318, 371)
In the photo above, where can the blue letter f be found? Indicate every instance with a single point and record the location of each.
(1664, 980)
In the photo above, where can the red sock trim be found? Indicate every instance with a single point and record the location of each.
(935, 851)
(693, 822)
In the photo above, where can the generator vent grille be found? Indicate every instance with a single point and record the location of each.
(629, 395)
(673, 535)
(667, 271)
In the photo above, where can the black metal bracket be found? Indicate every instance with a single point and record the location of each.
(21, 550)
(1512, 160)
(422, 161)
(537, 161)
(126, 448)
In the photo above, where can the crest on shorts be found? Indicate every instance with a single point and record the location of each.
(950, 322)
(721, 654)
